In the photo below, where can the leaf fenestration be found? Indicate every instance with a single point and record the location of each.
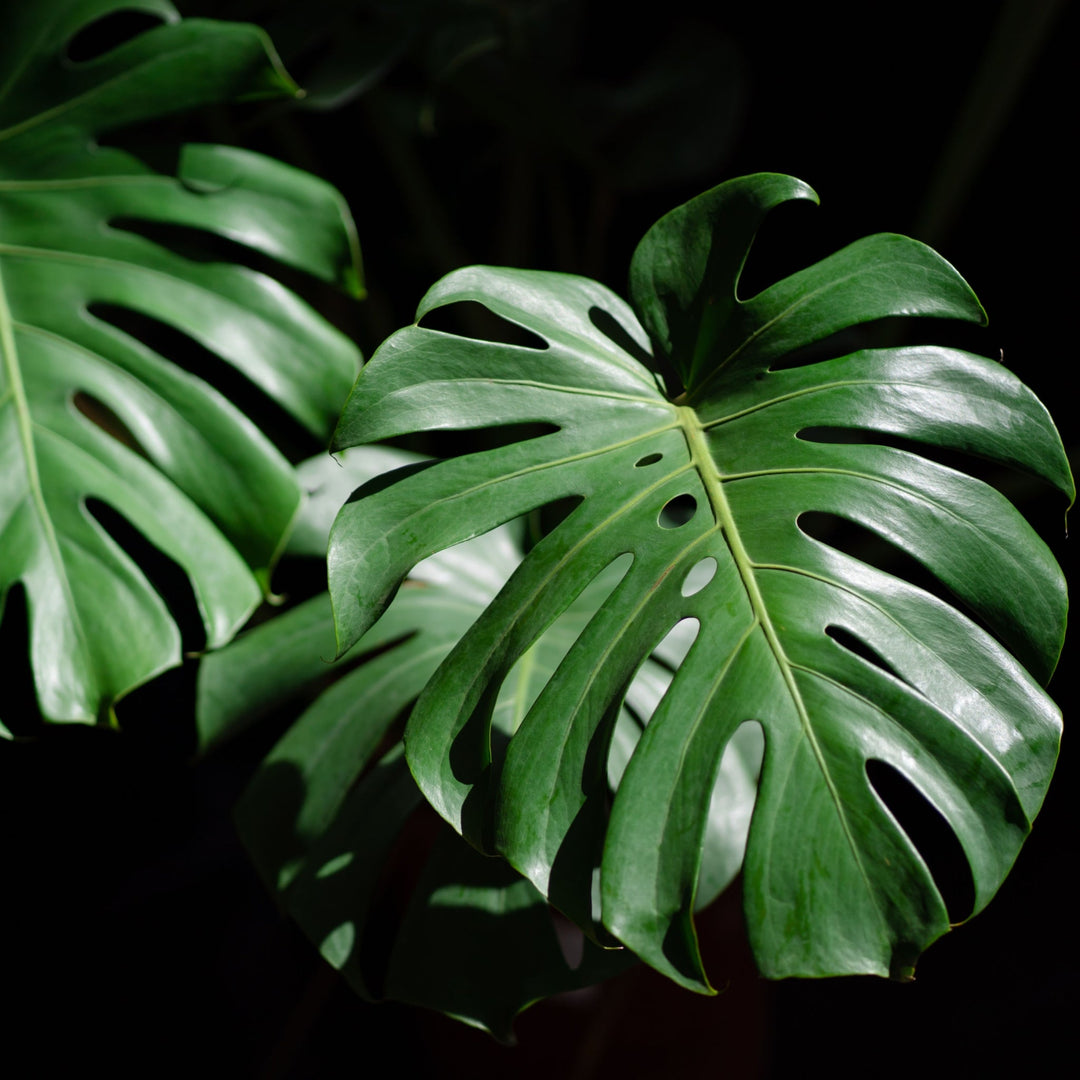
(167, 452)
(832, 883)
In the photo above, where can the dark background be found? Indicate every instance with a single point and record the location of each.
(551, 135)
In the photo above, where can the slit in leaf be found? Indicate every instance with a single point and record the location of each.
(469, 318)
(165, 575)
(99, 414)
(855, 645)
(648, 459)
(192, 356)
(928, 830)
(868, 547)
(102, 36)
(731, 806)
(672, 649)
(1019, 487)
(787, 241)
(458, 442)
(518, 692)
(615, 332)
(207, 246)
(397, 881)
(890, 332)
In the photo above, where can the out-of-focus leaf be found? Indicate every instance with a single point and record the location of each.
(90, 411)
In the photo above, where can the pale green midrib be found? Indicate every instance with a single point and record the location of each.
(24, 422)
(710, 478)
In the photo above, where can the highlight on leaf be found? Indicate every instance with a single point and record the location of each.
(821, 666)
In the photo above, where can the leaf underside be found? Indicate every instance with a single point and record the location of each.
(333, 807)
(91, 413)
(837, 662)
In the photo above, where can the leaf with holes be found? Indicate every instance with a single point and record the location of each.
(330, 804)
(840, 663)
(91, 415)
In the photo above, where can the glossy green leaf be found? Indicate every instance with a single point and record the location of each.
(324, 812)
(839, 662)
(88, 411)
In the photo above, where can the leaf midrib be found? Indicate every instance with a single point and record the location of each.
(710, 478)
(24, 422)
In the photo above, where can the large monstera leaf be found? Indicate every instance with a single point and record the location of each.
(89, 413)
(704, 495)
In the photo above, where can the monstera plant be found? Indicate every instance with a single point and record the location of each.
(92, 415)
(703, 495)
(625, 642)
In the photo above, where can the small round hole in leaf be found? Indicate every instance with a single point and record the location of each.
(677, 512)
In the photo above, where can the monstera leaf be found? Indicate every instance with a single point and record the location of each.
(327, 808)
(701, 501)
(90, 415)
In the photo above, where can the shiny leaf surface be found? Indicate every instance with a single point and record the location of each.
(702, 500)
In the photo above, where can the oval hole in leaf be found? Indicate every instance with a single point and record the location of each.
(648, 459)
(469, 318)
(294, 441)
(528, 676)
(730, 808)
(674, 646)
(931, 835)
(107, 33)
(166, 576)
(570, 938)
(699, 576)
(677, 512)
(99, 414)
